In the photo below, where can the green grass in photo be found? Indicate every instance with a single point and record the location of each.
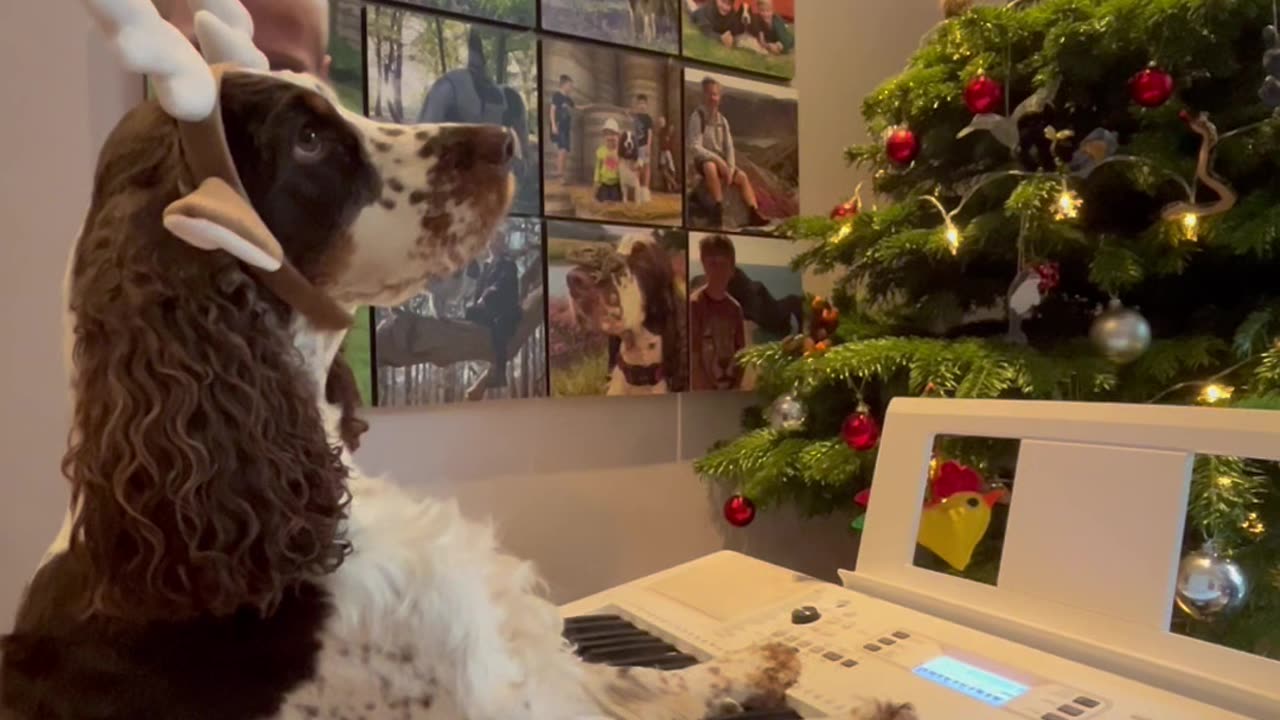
(588, 377)
(711, 50)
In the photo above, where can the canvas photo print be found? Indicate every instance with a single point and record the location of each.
(753, 35)
(516, 12)
(480, 334)
(618, 312)
(426, 68)
(612, 134)
(649, 24)
(742, 151)
(742, 292)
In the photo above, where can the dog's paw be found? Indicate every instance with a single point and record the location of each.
(879, 710)
(758, 677)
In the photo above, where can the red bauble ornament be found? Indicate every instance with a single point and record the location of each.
(983, 95)
(739, 511)
(846, 210)
(902, 146)
(1049, 276)
(861, 431)
(1151, 87)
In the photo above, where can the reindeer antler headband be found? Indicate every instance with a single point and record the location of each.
(218, 214)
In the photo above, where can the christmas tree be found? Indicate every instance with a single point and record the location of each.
(1079, 200)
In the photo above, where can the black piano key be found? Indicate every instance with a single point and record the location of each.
(614, 641)
(604, 654)
(608, 634)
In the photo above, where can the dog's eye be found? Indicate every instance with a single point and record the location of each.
(309, 146)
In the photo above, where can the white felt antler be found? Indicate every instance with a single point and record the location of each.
(146, 44)
(225, 31)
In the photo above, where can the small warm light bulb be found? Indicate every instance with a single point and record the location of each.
(845, 231)
(1225, 481)
(953, 238)
(1213, 392)
(1068, 205)
(1190, 225)
(1253, 525)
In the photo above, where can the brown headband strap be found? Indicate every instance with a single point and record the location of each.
(204, 147)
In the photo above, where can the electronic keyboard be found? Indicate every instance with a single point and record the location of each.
(853, 648)
(1075, 628)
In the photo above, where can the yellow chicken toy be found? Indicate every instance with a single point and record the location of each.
(953, 527)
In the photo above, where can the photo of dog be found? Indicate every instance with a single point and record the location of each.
(424, 67)
(612, 134)
(647, 24)
(477, 334)
(617, 311)
(742, 292)
(754, 35)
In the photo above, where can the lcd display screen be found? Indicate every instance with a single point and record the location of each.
(966, 679)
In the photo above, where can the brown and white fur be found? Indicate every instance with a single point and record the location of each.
(225, 558)
(639, 309)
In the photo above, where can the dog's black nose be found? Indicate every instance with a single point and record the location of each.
(495, 145)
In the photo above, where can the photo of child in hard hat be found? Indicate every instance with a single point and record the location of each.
(613, 116)
(608, 175)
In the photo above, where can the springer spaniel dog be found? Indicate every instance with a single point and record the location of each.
(225, 559)
(630, 295)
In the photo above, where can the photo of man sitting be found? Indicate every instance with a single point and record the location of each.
(715, 159)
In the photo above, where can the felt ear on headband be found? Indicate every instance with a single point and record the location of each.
(216, 217)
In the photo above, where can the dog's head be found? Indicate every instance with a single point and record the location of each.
(368, 212)
(202, 470)
(627, 148)
(635, 290)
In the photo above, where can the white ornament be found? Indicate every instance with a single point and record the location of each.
(787, 413)
(1121, 334)
(1210, 585)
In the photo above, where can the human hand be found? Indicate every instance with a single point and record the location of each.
(727, 39)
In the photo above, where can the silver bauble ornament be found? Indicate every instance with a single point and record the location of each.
(1121, 334)
(1210, 585)
(787, 413)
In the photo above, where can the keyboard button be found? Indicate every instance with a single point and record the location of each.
(901, 635)
(887, 641)
(1071, 710)
(805, 615)
(1087, 702)
(832, 655)
(1051, 716)
(849, 663)
(872, 647)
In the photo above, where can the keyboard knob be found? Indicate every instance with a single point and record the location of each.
(805, 615)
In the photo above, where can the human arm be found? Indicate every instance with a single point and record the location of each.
(555, 128)
(697, 370)
(730, 153)
(786, 37)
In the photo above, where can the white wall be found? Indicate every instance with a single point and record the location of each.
(597, 491)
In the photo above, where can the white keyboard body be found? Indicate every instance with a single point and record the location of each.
(861, 648)
(1084, 597)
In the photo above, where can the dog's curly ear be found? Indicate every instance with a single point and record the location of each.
(198, 457)
(342, 389)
